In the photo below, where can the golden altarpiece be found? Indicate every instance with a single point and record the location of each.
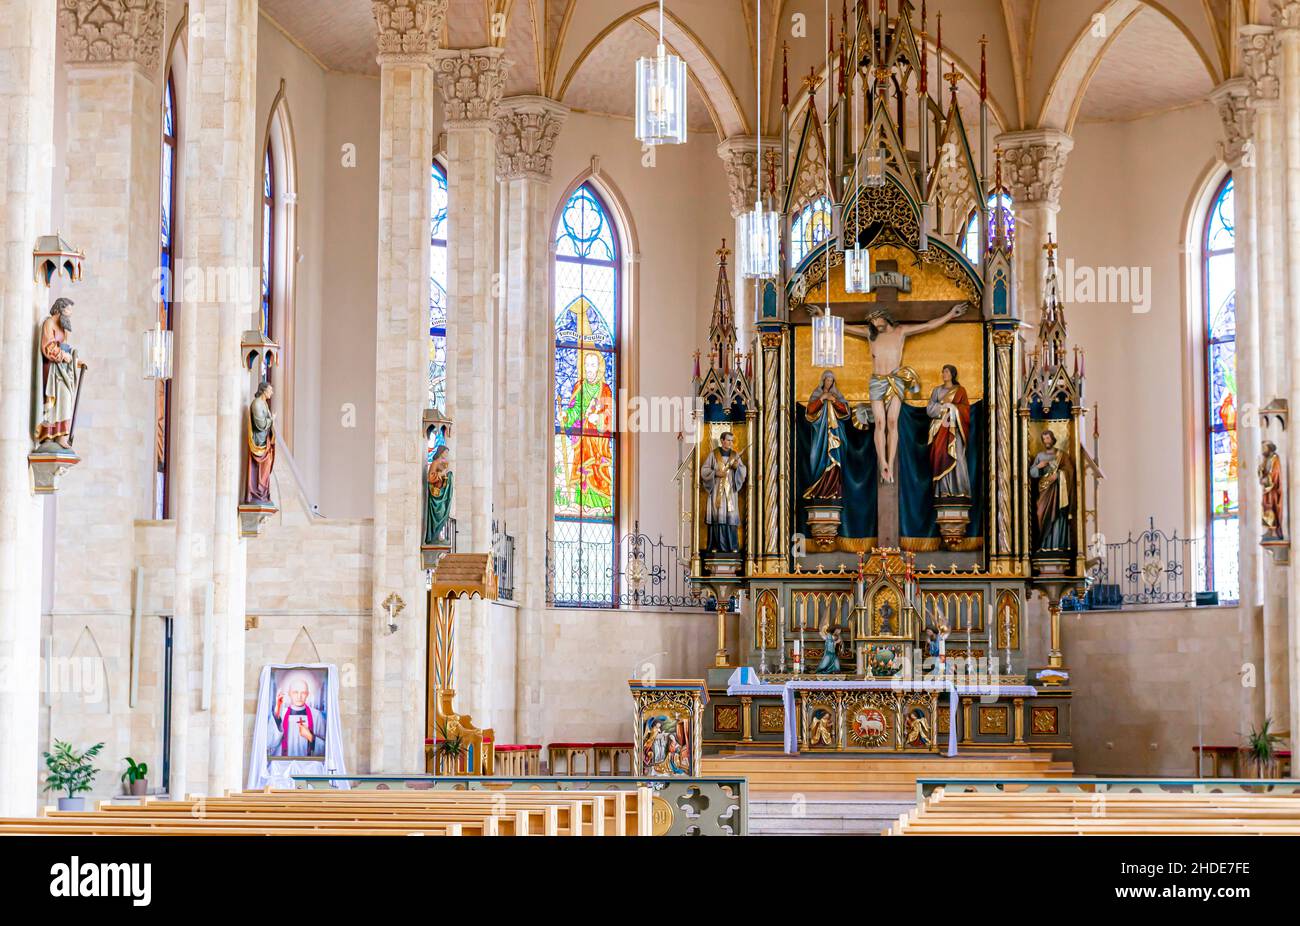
(901, 489)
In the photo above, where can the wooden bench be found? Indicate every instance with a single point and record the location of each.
(1110, 813)
(350, 813)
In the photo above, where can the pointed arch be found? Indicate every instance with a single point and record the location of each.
(170, 202)
(303, 649)
(278, 232)
(1069, 84)
(706, 74)
(593, 287)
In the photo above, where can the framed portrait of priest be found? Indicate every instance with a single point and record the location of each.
(296, 721)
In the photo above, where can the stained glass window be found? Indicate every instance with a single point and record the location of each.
(166, 294)
(1220, 293)
(970, 237)
(268, 246)
(811, 226)
(585, 403)
(438, 290)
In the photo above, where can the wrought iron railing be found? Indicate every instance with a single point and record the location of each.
(1152, 568)
(503, 552)
(587, 568)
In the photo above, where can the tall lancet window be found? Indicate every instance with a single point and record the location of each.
(166, 297)
(438, 291)
(586, 449)
(1219, 280)
(268, 245)
(970, 236)
(811, 226)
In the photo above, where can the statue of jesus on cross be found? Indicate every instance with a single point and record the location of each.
(891, 382)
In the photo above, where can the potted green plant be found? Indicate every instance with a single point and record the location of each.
(1261, 749)
(136, 778)
(71, 772)
(449, 750)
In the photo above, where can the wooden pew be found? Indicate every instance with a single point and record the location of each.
(947, 813)
(301, 812)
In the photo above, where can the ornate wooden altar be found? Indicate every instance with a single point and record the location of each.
(899, 500)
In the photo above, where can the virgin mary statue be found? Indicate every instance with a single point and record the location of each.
(827, 407)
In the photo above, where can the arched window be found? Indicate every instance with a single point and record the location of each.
(166, 255)
(279, 218)
(268, 245)
(970, 237)
(586, 462)
(811, 226)
(438, 291)
(1219, 289)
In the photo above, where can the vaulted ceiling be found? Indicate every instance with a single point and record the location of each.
(1051, 62)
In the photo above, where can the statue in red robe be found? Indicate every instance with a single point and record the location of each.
(949, 411)
(261, 447)
(1270, 481)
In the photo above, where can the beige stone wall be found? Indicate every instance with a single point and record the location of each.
(588, 657)
(1150, 684)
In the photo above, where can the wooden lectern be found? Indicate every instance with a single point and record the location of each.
(457, 575)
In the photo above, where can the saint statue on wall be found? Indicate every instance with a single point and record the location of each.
(437, 497)
(1270, 503)
(722, 476)
(949, 411)
(827, 408)
(61, 373)
(1053, 471)
(891, 382)
(261, 446)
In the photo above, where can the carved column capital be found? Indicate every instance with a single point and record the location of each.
(1033, 164)
(527, 128)
(112, 32)
(1286, 14)
(739, 156)
(1259, 60)
(1237, 112)
(472, 81)
(408, 31)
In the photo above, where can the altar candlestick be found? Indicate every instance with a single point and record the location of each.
(991, 654)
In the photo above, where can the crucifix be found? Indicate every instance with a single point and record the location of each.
(886, 324)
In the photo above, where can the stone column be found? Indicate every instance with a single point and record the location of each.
(220, 182)
(1260, 58)
(110, 209)
(1034, 167)
(1233, 99)
(1286, 15)
(27, 36)
(739, 156)
(408, 34)
(527, 128)
(471, 82)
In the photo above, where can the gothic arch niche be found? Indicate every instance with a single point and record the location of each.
(80, 680)
(303, 649)
(279, 166)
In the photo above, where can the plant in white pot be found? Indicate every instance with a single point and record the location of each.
(71, 772)
(136, 778)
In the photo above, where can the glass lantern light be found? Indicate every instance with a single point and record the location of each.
(857, 270)
(761, 257)
(661, 99)
(157, 353)
(827, 340)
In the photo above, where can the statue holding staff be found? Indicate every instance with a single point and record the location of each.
(61, 373)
